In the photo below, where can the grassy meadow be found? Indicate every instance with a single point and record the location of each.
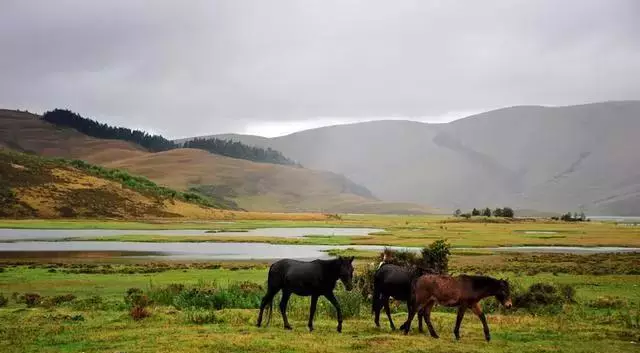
(84, 303)
(396, 230)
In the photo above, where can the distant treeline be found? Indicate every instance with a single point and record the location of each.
(568, 217)
(486, 212)
(239, 150)
(157, 143)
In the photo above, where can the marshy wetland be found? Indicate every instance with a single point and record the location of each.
(75, 295)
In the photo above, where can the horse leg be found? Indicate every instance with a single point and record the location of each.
(312, 311)
(334, 301)
(420, 319)
(413, 309)
(375, 306)
(478, 311)
(427, 317)
(409, 306)
(387, 310)
(266, 300)
(456, 330)
(376, 309)
(283, 308)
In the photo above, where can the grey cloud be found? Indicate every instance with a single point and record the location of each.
(195, 67)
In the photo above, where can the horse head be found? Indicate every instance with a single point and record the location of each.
(345, 273)
(503, 293)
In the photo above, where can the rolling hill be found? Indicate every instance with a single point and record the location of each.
(254, 186)
(34, 186)
(572, 158)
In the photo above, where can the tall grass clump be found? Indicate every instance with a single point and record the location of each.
(137, 302)
(3, 300)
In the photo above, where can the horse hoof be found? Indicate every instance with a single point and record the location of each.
(310, 328)
(288, 328)
(339, 328)
(393, 328)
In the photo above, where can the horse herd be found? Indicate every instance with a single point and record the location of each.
(420, 290)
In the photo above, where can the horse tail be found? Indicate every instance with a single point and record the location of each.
(376, 297)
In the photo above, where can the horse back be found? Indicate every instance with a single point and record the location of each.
(302, 278)
(393, 280)
(444, 290)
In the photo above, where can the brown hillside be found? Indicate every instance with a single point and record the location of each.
(46, 188)
(255, 186)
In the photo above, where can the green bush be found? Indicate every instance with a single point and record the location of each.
(544, 298)
(245, 295)
(350, 304)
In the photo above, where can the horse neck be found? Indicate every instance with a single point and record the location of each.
(331, 269)
(491, 290)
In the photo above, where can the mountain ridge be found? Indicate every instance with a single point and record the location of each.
(530, 157)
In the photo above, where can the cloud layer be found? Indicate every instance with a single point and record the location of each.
(198, 67)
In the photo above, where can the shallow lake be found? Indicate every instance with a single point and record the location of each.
(243, 251)
(44, 234)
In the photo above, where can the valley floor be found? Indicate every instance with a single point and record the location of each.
(603, 316)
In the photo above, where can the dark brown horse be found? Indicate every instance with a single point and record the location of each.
(464, 292)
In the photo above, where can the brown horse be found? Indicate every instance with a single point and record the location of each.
(464, 292)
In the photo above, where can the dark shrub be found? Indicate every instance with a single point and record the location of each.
(3, 300)
(137, 302)
(138, 312)
(31, 299)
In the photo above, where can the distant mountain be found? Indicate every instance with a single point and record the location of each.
(253, 186)
(574, 158)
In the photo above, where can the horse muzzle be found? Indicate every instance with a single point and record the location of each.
(507, 304)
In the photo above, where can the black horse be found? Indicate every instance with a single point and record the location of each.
(313, 279)
(395, 281)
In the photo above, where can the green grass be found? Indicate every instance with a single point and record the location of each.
(73, 328)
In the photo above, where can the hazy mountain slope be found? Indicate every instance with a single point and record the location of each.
(557, 159)
(256, 186)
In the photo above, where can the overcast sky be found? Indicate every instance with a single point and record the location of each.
(184, 68)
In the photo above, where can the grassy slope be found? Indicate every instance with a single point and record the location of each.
(256, 186)
(48, 188)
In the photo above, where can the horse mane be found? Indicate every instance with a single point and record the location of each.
(482, 282)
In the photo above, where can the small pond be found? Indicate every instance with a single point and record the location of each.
(45, 234)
